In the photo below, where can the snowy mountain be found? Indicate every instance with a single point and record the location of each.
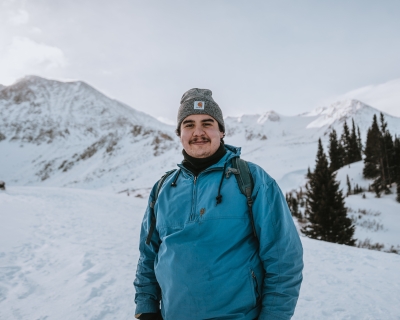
(68, 134)
(286, 145)
(385, 96)
(346, 110)
(69, 253)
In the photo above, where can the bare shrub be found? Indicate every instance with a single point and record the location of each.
(368, 245)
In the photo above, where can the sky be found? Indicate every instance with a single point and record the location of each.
(287, 56)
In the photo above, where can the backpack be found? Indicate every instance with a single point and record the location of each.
(241, 171)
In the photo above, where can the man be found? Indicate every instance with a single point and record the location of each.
(203, 260)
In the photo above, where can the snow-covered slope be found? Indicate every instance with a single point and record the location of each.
(377, 220)
(286, 146)
(71, 254)
(346, 110)
(385, 96)
(69, 134)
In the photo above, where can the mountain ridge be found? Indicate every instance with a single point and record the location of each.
(73, 131)
(70, 134)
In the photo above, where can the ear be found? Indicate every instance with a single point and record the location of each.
(221, 134)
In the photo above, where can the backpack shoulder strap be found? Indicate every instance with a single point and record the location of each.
(152, 204)
(246, 185)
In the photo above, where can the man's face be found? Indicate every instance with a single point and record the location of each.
(200, 135)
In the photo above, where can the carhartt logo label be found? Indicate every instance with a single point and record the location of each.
(199, 105)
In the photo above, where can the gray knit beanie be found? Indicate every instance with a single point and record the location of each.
(199, 101)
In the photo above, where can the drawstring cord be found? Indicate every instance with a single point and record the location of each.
(219, 196)
(173, 184)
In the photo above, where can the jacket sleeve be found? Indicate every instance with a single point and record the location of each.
(148, 292)
(280, 251)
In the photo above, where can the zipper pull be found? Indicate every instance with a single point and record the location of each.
(195, 179)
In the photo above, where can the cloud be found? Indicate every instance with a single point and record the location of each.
(19, 18)
(35, 31)
(25, 56)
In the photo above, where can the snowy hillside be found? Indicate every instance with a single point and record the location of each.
(71, 254)
(377, 220)
(385, 96)
(69, 134)
(345, 110)
(60, 134)
(286, 146)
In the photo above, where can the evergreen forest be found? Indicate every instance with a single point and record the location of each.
(324, 214)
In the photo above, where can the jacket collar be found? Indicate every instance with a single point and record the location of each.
(231, 152)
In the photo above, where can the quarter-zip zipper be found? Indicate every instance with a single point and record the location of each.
(193, 213)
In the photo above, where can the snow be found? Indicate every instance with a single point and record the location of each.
(338, 110)
(385, 96)
(77, 257)
(72, 253)
(376, 219)
(342, 282)
(69, 232)
(68, 134)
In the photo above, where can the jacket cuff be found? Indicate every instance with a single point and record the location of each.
(147, 307)
(266, 315)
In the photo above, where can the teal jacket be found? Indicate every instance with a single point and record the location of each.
(204, 262)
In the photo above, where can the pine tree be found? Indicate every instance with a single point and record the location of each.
(309, 174)
(359, 141)
(372, 151)
(387, 154)
(388, 157)
(398, 191)
(335, 152)
(295, 207)
(396, 160)
(346, 143)
(377, 186)
(325, 207)
(355, 150)
(348, 185)
(396, 148)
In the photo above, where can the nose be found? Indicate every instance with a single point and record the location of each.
(198, 131)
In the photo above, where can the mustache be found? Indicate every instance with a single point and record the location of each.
(197, 139)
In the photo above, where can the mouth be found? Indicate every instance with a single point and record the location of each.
(200, 141)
